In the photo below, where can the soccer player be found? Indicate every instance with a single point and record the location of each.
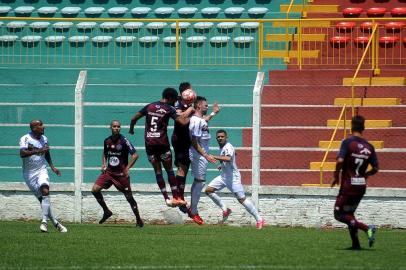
(353, 159)
(181, 142)
(35, 153)
(157, 146)
(198, 154)
(230, 177)
(116, 171)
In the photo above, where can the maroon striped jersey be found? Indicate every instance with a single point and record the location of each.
(116, 153)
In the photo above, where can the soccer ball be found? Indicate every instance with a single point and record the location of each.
(188, 96)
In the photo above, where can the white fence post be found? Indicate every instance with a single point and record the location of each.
(79, 90)
(256, 137)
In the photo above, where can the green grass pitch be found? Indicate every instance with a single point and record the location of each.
(122, 246)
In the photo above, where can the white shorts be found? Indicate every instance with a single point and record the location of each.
(36, 180)
(234, 185)
(199, 166)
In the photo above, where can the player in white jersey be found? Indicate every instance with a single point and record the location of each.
(34, 151)
(198, 153)
(230, 177)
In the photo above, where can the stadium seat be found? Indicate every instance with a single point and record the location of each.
(170, 40)
(249, 26)
(181, 25)
(243, 41)
(361, 41)
(196, 39)
(47, 11)
(163, 12)
(388, 41)
(234, 12)
(352, 11)
(257, 12)
(101, 40)
(394, 26)
(76, 40)
(366, 26)
(94, 11)
(404, 40)
(339, 41)
(345, 26)
(117, 11)
(125, 39)
(70, 11)
(226, 27)
(31, 39)
(16, 25)
(203, 27)
(132, 26)
(148, 40)
(24, 10)
(85, 26)
(398, 12)
(8, 38)
(156, 27)
(140, 11)
(219, 41)
(187, 11)
(376, 12)
(39, 26)
(210, 12)
(5, 9)
(62, 26)
(54, 39)
(109, 26)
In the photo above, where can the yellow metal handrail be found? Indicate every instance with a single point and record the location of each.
(372, 40)
(287, 32)
(332, 139)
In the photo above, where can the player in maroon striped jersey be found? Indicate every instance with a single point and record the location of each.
(157, 146)
(115, 171)
(355, 155)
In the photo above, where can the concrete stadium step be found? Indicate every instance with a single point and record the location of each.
(368, 101)
(301, 158)
(375, 81)
(299, 177)
(368, 123)
(317, 115)
(291, 54)
(285, 136)
(336, 144)
(319, 94)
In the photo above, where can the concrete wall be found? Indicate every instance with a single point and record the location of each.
(281, 206)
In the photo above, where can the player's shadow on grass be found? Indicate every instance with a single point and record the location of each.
(355, 250)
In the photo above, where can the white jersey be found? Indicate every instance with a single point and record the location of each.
(199, 128)
(229, 170)
(34, 163)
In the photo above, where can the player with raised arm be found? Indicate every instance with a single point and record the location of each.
(116, 171)
(35, 153)
(157, 146)
(353, 159)
(230, 177)
(199, 154)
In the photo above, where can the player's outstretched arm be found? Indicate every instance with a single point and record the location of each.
(184, 117)
(134, 120)
(223, 158)
(216, 110)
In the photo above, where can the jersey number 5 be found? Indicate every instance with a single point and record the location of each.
(154, 125)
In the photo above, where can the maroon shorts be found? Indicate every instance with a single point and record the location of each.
(158, 152)
(347, 203)
(105, 180)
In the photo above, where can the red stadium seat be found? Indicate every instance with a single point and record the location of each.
(376, 12)
(352, 12)
(361, 41)
(394, 26)
(345, 26)
(398, 12)
(339, 41)
(388, 41)
(404, 40)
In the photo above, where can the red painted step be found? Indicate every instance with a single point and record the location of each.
(295, 178)
(310, 136)
(318, 116)
(311, 94)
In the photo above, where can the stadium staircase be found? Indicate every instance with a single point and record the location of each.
(300, 108)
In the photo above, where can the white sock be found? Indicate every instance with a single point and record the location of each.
(251, 209)
(196, 192)
(46, 210)
(217, 200)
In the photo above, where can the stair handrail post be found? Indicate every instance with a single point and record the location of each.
(177, 46)
(330, 143)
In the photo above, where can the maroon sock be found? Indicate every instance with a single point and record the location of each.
(162, 186)
(181, 186)
(350, 220)
(174, 184)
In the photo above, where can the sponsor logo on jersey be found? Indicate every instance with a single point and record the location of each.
(153, 134)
